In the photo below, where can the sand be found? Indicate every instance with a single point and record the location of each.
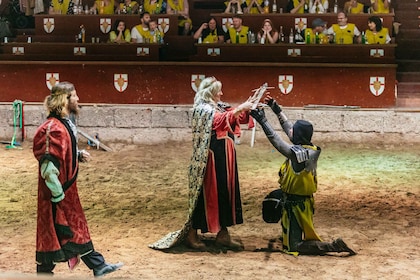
(367, 195)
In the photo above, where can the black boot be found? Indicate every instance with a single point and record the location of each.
(340, 246)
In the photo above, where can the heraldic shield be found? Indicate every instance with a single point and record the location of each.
(105, 25)
(301, 23)
(121, 82)
(377, 85)
(163, 24)
(196, 81)
(49, 25)
(52, 79)
(226, 23)
(285, 83)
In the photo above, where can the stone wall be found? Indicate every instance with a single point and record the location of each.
(141, 124)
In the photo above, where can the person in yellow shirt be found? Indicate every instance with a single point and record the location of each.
(353, 7)
(342, 31)
(297, 6)
(237, 33)
(377, 34)
(63, 7)
(155, 6)
(119, 33)
(234, 7)
(128, 7)
(254, 6)
(210, 32)
(380, 6)
(316, 34)
(180, 8)
(104, 7)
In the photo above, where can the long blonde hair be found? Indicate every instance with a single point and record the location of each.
(207, 90)
(56, 103)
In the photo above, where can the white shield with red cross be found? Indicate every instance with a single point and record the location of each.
(163, 24)
(285, 83)
(377, 85)
(49, 25)
(196, 81)
(226, 23)
(105, 25)
(18, 50)
(121, 82)
(52, 79)
(301, 23)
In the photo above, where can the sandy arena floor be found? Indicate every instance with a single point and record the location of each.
(367, 195)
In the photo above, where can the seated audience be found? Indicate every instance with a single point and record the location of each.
(237, 33)
(380, 6)
(377, 34)
(128, 7)
(353, 7)
(234, 7)
(210, 32)
(254, 6)
(155, 6)
(180, 8)
(318, 6)
(103, 7)
(119, 33)
(61, 7)
(140, 33)
(343, 31)
(296, 6)
(268, 34)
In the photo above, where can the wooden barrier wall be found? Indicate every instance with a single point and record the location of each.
(365, 85)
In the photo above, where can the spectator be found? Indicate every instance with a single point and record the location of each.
(155, 6)
(119, 33)
(318, 6)
(104, 7)
(128, 7)
(296, 6)
(380, 6)
(353, 7)
(155, 34)
(343, 31)
(140, 33)
(210, 32)
(61, 7)
(237, 33)
(254, 6)
(268, 34)
(316, 35)
(234, 7)
(180, 8)
(377, 34)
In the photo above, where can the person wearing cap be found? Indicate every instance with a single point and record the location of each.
(237, 33)
(298, 183)
(316, 34)
(344, 32)
(62, 233)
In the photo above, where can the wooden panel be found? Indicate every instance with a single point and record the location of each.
(79, 52)
(171, 83)
(296, 53)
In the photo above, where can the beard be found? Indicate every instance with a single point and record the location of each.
(73, 108)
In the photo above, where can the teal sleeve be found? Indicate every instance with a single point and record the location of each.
(50, 174)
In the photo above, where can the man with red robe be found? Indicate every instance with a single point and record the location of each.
(62, 230)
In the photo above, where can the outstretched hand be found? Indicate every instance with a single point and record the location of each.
(270, 101)
(259, 115)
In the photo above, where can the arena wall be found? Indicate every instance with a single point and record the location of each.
(145, 124)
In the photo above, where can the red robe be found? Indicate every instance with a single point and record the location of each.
(62, 230)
